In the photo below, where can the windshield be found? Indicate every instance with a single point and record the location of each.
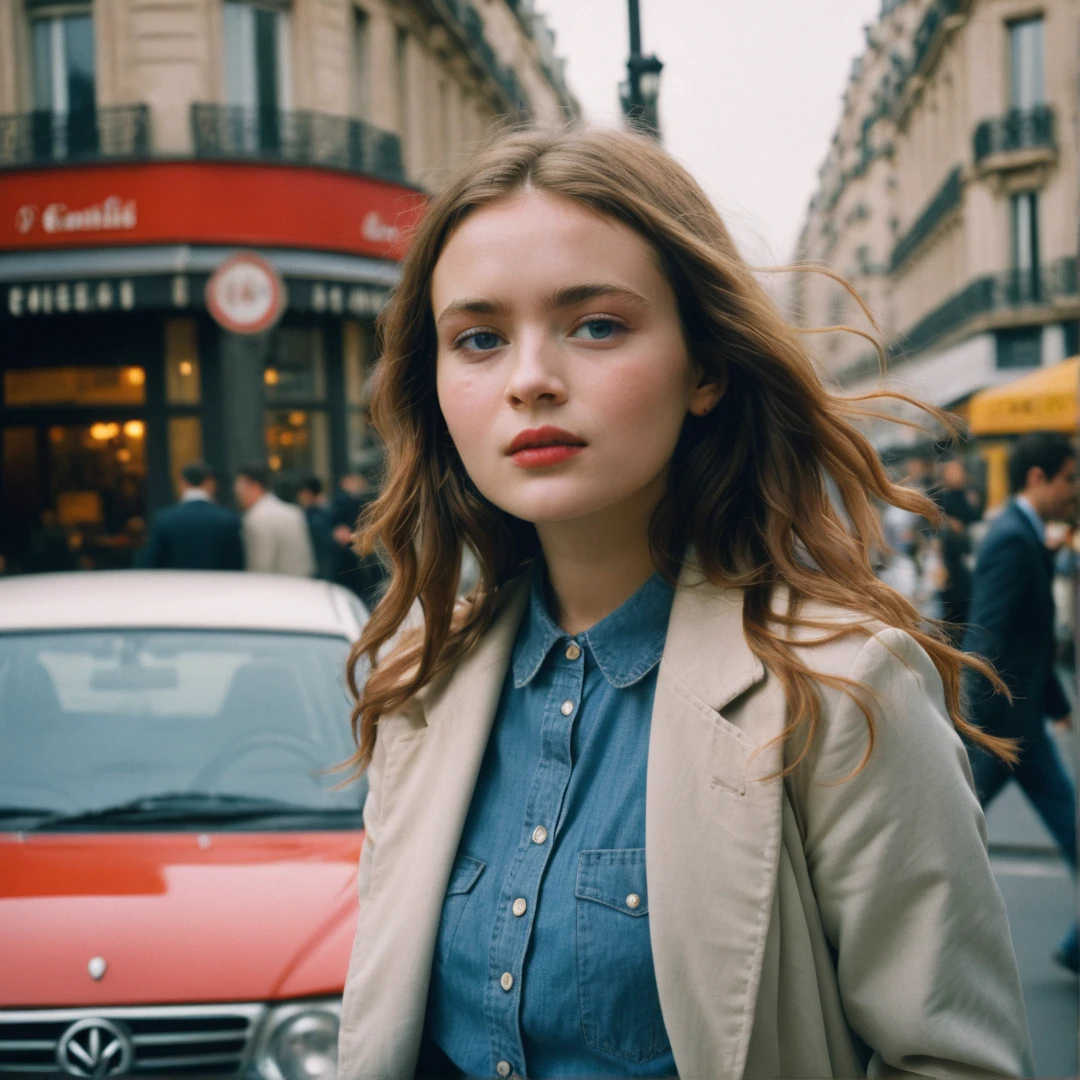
(97, 720)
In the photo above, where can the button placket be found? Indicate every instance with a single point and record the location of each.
(513, 930)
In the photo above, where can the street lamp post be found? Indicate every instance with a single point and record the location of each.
(641, 91)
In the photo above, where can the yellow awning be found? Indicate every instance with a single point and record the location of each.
(1045, 400)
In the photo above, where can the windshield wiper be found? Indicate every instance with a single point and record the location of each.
(26, 811)
(183, 806)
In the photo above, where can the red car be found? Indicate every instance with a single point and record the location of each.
(178, 865)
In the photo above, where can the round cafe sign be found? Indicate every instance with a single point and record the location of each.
(245, 294)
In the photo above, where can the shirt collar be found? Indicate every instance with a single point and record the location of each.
(194, 495)
(626, 645)
(1032, 515)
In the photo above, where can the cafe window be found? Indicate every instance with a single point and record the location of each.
(182, 371)
(296, 425)
(358, 355)
(35, 387)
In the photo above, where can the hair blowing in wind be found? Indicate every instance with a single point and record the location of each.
(747, 488)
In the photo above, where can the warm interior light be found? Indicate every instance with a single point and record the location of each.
(297, 418)
(134, 429)
(104, 432)
(123, 455)
(275, 462)
(286, 438)
(270, 376)
(186, 367)
(135, 375)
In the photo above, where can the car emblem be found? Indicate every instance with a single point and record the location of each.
(97, 967)
(95, 1048)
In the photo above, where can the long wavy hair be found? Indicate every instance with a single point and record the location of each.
(748, 484)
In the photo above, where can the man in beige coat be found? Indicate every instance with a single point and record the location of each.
(802, 927)
(276, 536)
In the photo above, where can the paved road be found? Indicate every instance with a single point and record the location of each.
(1041, 898)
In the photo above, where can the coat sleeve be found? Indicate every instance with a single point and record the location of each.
(897, 855)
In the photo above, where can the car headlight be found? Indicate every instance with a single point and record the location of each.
(299, 1041)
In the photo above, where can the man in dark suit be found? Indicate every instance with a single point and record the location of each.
(1012, 624)
(196, 534)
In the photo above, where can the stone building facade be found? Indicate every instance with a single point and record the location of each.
(949, 198)
(203, 204)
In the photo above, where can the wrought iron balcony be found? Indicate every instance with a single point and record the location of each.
(234, 132)
(1037, 286)
(118, 132)
(1018, 129)
(947, 198)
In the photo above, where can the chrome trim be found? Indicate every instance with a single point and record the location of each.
(252, 1014)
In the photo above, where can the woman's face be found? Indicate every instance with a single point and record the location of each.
(562, 371)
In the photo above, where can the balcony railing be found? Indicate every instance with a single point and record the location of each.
(1033, 287)
(118, 132)
(947, 198)
(1018, 129)
(234, 132)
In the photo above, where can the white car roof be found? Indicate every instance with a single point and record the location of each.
(177, 599)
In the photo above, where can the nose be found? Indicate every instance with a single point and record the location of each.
(535, 374)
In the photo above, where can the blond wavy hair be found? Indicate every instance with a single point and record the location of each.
(747, 485)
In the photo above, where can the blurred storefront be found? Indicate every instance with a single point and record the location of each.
(143, 147)
(115, 374)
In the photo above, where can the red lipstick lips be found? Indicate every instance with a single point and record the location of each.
(536, 448)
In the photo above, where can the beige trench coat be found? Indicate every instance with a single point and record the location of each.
(799, 927)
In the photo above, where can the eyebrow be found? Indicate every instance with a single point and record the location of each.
(561, 298)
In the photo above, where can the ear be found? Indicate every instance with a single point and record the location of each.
(707, 394)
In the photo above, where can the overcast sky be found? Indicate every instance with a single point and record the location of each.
(749, 96)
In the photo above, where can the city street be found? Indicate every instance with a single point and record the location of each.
(1040, 896)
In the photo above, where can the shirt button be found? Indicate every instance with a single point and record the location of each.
(567, 708)
(519, 906)
(573, 651)
(539, 834)
(504, 1068)
(633, 900)
(507, 981)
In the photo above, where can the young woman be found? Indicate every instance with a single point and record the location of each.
(678, 789)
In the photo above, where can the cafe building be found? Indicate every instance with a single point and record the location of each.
(192, 256)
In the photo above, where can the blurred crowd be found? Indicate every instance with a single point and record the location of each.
(310, 538)
(932, 564)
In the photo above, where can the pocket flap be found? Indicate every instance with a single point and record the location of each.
(615, 878)
(463, 876)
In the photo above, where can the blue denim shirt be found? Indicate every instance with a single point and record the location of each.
(543, 965)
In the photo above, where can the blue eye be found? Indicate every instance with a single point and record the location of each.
(597, 330)
(481, 340)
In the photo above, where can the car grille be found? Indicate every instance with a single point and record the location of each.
(167, 1040)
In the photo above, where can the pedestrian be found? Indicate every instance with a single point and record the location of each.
(196, 533)
(678, 789)
(320, 525)
(961, 509)
(1012, 624)
(365, 575)
(275, 533)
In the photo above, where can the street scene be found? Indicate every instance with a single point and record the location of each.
(205, 211)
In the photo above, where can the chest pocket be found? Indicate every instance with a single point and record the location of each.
(620, 1006)
(463, 878)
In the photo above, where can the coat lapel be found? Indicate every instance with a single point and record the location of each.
(429, 777)
(712, 832)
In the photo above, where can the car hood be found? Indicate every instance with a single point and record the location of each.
(177, 917)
